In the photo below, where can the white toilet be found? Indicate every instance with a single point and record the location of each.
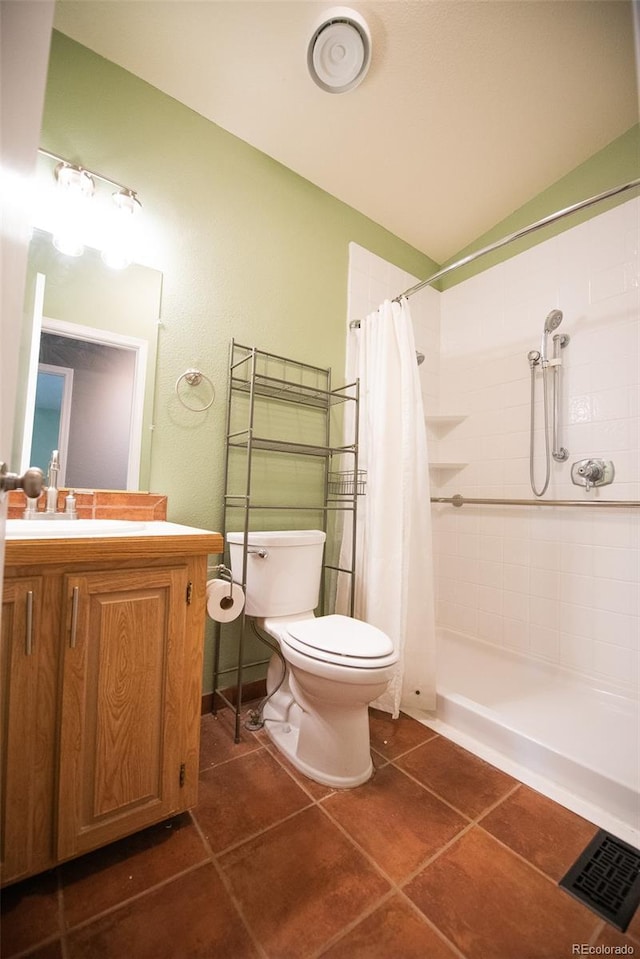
(318, 716)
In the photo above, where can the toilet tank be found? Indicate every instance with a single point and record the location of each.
(283, 570)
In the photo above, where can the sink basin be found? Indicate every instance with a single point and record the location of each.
(34, 529)
(65, 528)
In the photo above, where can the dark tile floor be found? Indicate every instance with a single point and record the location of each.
(439, 856)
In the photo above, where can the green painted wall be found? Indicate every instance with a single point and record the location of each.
(617, 163)
(247, 249)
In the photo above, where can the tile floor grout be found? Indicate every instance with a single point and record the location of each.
(399, 889)
(314, 801)
(227, 885)
(433, 793)
(396, 891)
(261, 832)
(395, 887)
(78, 926)
(318, 802)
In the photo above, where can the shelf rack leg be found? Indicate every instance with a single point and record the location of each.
(216, 666)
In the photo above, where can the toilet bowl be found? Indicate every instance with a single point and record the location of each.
(317, 713)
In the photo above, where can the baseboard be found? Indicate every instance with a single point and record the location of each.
(229, 696)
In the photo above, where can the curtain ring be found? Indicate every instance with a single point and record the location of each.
(194, 378)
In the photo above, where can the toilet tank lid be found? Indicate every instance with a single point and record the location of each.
(342, 636)
(281, 537)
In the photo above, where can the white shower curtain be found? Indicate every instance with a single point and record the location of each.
(394, 558)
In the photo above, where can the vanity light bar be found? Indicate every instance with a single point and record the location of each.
(125, 190)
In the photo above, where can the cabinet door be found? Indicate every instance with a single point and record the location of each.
(120, 761)
(28, 684)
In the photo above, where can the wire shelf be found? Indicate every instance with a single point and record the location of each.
(242, 439)
(277, 389)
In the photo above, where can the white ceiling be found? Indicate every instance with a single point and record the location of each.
(470, 107)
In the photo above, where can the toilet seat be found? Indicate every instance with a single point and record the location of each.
(340, 640)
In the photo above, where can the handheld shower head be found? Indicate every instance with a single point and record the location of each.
(552, 322)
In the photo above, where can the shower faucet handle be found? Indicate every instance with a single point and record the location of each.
(592, 472)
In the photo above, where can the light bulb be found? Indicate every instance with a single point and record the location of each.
(75, 188)
(117, 251)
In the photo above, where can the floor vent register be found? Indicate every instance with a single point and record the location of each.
(606, 878)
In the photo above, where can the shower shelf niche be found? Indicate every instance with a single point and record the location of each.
(447, 466)
(441, 423)
(444, 421)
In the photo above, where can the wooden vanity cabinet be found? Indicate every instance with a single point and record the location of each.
(101, 689)
(28, 681)
(120, 713)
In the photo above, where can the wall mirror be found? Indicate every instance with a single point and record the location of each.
(87, 365)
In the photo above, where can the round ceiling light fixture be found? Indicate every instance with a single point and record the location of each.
(339, 51)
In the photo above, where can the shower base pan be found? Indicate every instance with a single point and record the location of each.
(573, 741)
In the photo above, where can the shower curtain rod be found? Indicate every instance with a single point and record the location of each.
(525, 231)
(458, 500)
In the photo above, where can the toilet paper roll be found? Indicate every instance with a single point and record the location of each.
(224, 605)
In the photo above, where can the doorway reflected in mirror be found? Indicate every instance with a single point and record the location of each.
(83, 407)
(54, 391)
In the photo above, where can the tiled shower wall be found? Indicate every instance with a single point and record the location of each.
(560, 585)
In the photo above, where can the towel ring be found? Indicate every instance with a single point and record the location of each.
(194, 378)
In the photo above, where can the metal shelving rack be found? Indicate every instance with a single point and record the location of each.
(259, 383)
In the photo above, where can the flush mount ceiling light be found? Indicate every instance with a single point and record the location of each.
(339, 51)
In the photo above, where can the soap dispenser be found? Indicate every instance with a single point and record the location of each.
(70, 505)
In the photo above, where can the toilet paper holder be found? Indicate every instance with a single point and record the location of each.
(226, 575)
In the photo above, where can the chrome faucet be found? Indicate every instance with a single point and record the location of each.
(31, 483)
(52, 483)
